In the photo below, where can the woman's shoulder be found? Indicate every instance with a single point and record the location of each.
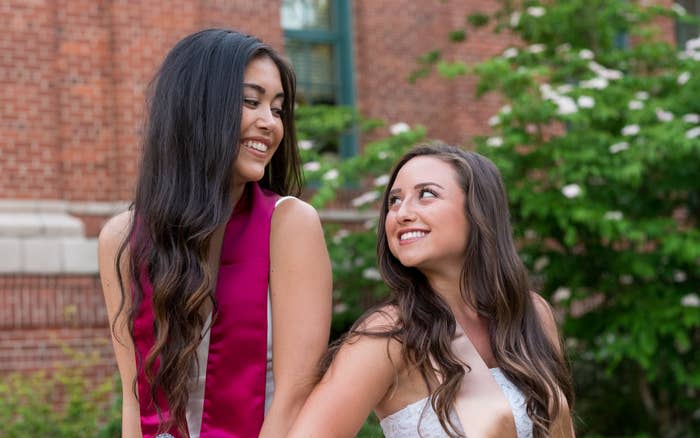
(114, 232)
(293, 215)
(382, 319)
(286, 206)
(544, 313)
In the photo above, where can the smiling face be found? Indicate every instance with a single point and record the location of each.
(426, 224)
(261, 123)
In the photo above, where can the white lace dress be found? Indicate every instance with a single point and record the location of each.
(419, 420)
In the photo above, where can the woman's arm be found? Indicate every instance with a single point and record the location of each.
(111, 237)
(301, 296)
(361, 375)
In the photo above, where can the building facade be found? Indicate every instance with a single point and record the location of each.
(72, 79)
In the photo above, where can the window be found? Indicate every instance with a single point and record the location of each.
(687, 31)
(318, 41)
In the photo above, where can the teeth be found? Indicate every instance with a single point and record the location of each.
(262, 147)
(413, 235)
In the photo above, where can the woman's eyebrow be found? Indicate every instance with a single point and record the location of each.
(262, 90)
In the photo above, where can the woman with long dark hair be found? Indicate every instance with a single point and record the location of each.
(462, 347)
(217, 282)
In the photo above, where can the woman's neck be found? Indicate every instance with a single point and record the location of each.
(448, 286)
(236, 193)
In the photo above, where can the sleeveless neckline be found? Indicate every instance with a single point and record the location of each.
(406, 422)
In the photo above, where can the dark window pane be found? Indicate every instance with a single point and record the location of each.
(315, 69)
(685, 32)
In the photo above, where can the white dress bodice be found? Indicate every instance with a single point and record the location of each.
(420, 416)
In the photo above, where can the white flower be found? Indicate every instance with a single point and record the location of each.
(505, 109)
(630, 130)
(563, 89)
(371, 274)
(586, 102)
(383, 155)
(679, 276)
(635, 105)
(571, 190)
(683, 78)
(399, 128)
(514, 19)
(619, 147)
(663, 115)
(613, 215)
(381, 180)
(693, 133)
(541, 263)
(340, 235)
(331, 175)
(536, 48)
(678, 9)
(597, 83)
(563, 48)
(585, 54)
(312, 166)
(641, 95)
(536, 11)
(690, 300)
(306, 144)
(604, 72)
(691, 118)
(340, 308)
(692, 44)
(561, 294)
(495, 142)
(364, 198)
(626, 279)
(510, 52)
(565, 105)
(547, 92)
(494, 120)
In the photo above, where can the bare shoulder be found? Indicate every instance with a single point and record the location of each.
(382, 319)
(546, 317)
(294, 212)
(114, 232)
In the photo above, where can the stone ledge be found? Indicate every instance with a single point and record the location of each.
(48, 255)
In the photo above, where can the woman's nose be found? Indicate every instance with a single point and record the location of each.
(405, 212)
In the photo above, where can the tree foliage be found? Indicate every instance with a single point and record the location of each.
(598, 141)
(599, 144)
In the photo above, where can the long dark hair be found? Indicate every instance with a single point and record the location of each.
(184, 193)
(494, 282)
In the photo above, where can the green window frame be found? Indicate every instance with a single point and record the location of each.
(338, 36)
(686, 31)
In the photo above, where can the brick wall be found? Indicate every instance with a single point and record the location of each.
(72, 81)
(386, 55)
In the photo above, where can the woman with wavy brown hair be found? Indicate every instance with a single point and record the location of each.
(462, 347)
(217, 283)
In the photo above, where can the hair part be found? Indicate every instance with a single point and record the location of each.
(184, 193)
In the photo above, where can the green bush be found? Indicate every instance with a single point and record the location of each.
(598, 141)
(60, 403)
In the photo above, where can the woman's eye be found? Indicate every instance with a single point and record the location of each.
(277, 112)
(393, 200)
(427, 193)
(250, 102)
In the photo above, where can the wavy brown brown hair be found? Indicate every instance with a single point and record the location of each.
(184, 193)
(494, 282)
